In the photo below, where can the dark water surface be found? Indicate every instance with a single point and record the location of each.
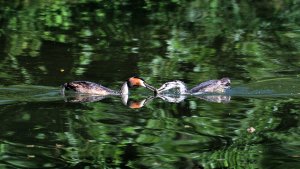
(45, 44)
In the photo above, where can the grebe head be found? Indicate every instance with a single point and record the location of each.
(135, 82)
(225, 82)
(173, 84)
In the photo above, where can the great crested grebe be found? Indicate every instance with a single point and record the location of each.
(211, 86)
(94, 88)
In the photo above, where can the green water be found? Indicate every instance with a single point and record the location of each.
(44, 44)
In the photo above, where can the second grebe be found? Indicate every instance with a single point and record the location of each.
(211, 86)
(94, 88)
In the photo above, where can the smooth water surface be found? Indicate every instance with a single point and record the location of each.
(255, 124)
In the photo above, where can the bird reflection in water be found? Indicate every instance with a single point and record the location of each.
(86, 98)
(136, 104)
(210, 98)
(83, 98)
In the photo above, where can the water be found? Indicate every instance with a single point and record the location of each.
(254, 125)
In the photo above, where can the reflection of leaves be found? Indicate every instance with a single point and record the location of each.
(223, 37)
(191, 40)
(209, 33)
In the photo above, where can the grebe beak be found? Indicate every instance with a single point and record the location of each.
(149, 87)
(159, 90)
(166, 86)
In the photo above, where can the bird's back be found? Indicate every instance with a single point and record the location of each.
(88, 87)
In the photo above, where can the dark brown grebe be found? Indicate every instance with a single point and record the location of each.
(211, 86)
(94, 88)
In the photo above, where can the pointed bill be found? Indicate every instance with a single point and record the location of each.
(150, 87)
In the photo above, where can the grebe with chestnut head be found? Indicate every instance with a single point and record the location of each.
(211, 86)
(97, 89)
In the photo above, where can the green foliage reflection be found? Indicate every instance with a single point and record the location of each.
(48, 43)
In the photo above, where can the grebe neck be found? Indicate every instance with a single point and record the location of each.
(183, 89)
(124, 89)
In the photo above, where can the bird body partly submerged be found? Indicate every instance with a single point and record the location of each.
(89, 88)
(211, 86)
